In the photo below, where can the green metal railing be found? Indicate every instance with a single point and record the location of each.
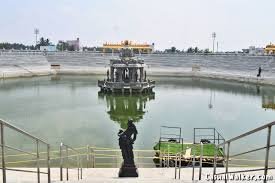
(38, 142)
(66, 158)
(266, 147)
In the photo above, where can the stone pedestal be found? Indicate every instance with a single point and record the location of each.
(128, 171)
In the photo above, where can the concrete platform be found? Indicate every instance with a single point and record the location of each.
(110, 175)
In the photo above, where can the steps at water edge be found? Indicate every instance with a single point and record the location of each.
(131, 180)
(146, 175)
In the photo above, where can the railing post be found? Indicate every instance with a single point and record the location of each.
(77, 167)
(176, 166)
(201, 154)
(67, 164)
(160, 159)
(215, 163)
(194, 136)
(91, 157)
(88, 156)
(267, 152)
(81, 167)
(180, 165)
(214, 135)
(227, 161)
(37, 161)
(48, 163)
(3, 153)
(168, 159)
(61, 162)
(94, 158)
(193, 163)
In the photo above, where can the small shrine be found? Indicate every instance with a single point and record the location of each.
(126, 74)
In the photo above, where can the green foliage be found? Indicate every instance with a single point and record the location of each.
(16, 46)
(43, 42)
(64, 46)
(206, 51)
(208, 149)
(173, 49)
(190, 50)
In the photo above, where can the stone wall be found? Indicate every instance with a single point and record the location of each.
(221, 66)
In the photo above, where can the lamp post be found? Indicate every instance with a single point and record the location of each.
(36, 32)
(214, 37)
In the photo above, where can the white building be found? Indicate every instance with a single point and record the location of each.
(256, 51)
(48, 48)
(74, 43)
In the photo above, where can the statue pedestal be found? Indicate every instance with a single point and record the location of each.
(129, 170)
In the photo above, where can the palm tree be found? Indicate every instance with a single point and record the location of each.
(47, 42)
(42, 42)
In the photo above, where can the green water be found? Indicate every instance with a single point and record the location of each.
(69, 109)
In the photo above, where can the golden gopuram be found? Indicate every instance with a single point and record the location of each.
(270, 49)
(137, 48)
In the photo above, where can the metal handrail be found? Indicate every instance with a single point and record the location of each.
(178, 163)
(92, 155)
(78, 161)
(217, 137)
(38, 141)
(267, 147)
(21, 131)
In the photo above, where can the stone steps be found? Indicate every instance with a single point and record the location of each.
(131, 180)
(146, 175)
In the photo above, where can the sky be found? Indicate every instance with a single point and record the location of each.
(180, 23)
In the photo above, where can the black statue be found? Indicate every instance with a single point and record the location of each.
(259, 72)
(128, 168)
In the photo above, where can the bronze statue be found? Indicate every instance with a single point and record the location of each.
(128, 168)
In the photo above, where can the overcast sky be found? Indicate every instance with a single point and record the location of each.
(180, 23)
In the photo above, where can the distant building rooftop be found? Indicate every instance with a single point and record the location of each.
(140, 47)
(270, 48)
(48, 48)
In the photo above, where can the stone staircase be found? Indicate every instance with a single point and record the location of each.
(23, 64)
(146, 175)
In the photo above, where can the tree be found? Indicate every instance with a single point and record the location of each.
(206, 50)
(43, 42)
(47, 42)
(190, 50)
(63, 46)
(15, 46)
(173, 49)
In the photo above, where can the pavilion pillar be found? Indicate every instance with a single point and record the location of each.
(120, 72)
(134, 73)
(112, 74)
(141, 74)
(130, 74)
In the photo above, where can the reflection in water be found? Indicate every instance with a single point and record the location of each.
(79, 116)
(123, 107)
(268, 102)
(210, 105)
